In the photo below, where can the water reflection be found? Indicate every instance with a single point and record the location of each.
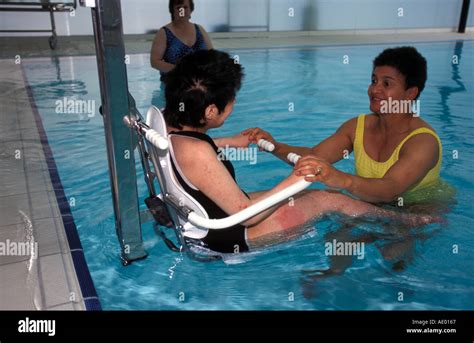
(57, 88)
(395, 241)
(446, 91)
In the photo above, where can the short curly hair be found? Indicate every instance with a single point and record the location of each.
(200, 79)
(409, 62)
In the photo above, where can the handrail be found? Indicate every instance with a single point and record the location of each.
(251, 211)
(153, 136)
(266, 145)
(158, 140)
(257, 208)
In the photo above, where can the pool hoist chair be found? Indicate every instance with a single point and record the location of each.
(176, 209)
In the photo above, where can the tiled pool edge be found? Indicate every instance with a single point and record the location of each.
(84, 278)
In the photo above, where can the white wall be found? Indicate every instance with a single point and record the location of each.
(142, 16)
(365, 14)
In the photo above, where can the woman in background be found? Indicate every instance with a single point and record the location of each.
(178, 38)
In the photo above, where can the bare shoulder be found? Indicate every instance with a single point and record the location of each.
(422, 140)
(189, 151)
(348, 128)
(349, 125)
(200, 164)
(160, 34)
(418, 123)
(371, 120)
(201, 28)
(423, 144)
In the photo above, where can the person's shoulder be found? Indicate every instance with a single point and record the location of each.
(201, 28)
(348, 128)
(349, 124)
(419, 123)
(368, 117)
(423, 144)
(371, 120)
(193, 148)
(422, 141)
(161, 31)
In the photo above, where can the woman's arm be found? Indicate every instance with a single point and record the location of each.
(281, 150)
(237, 141)
(338, 145)
(419, 154)
(157, 52)
(216, 183)
(332, 149)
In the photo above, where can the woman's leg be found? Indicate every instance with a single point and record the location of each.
(311, 204)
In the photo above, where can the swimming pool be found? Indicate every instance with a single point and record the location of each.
(323, 91)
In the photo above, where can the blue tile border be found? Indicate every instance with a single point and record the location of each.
(88, 290)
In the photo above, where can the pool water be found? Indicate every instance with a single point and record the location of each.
(429, 268)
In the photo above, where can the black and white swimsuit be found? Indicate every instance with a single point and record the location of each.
(230, 240)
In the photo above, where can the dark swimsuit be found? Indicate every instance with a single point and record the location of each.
(176, 49)
(230, 240)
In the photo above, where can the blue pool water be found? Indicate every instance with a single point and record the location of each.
(325, 92)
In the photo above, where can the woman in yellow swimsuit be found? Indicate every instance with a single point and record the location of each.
(397, 154)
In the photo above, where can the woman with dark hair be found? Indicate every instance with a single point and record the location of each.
(398, 155)
(178, 38)
(200, 94)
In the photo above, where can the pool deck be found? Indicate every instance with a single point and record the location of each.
(29, 212)
(29, 206)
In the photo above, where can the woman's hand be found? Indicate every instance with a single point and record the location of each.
(255, 134)
(316, 169)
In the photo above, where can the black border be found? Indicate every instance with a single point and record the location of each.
(126, 324)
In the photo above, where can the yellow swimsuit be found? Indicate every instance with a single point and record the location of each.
(369, 168)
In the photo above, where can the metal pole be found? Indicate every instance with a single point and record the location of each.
(463, 17)
(268, 15)
(53, 40)
(120, 139)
